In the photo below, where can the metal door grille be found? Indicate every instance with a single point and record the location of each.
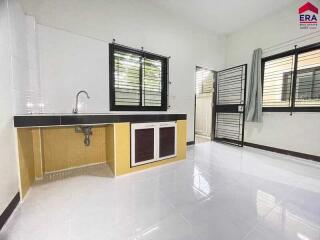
(230, 105)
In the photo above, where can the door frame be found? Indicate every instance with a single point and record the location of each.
(215, 73)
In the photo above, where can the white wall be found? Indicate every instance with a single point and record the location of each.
(13, 76)
(69, 63)
(73, 39)
(301, 131)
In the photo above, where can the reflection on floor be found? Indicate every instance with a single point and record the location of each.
(219, 192)
(202, 139)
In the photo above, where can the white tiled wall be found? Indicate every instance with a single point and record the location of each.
(19, 87)
(19, 57)
(34, 85)
(9, 64)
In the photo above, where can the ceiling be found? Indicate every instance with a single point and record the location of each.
(223, 16)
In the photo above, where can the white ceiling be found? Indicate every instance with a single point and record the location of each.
(223, 16)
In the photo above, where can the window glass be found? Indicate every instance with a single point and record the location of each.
(308, 79)
(126, 79)
(152, 86)
(138, 80)
(277, 82)
(292, 80)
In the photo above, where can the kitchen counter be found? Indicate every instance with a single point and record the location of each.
(45, 120)
(51, 143)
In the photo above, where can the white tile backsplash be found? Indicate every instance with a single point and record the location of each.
(24, 60)
(18, 32)
(33, 63)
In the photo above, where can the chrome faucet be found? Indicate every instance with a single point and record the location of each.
(75, 110)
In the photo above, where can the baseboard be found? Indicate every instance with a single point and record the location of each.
(284, 151)
(229, 141)
(9, 210)
(190, 143)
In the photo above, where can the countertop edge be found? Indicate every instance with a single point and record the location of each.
(24, 121)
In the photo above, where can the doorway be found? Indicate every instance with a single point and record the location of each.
(204, 105)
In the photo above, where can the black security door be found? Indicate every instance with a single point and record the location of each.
(230, 101)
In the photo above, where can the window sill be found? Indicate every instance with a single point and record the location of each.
(289, 109)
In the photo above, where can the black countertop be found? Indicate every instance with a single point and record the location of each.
(46, 120)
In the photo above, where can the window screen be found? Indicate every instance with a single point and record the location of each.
(138, 80)
(291, 81)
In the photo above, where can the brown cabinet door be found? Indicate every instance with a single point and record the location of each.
(151, 142)
(167, 141)
(144, 145)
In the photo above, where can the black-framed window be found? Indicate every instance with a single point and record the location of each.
(138, 80)
(291, 80)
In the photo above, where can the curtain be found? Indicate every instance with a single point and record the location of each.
(254, 102)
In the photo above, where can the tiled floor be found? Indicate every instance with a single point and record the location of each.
(220, 192)
(201, 139)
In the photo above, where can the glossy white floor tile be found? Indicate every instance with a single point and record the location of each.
(219, 192)
(201, 139)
